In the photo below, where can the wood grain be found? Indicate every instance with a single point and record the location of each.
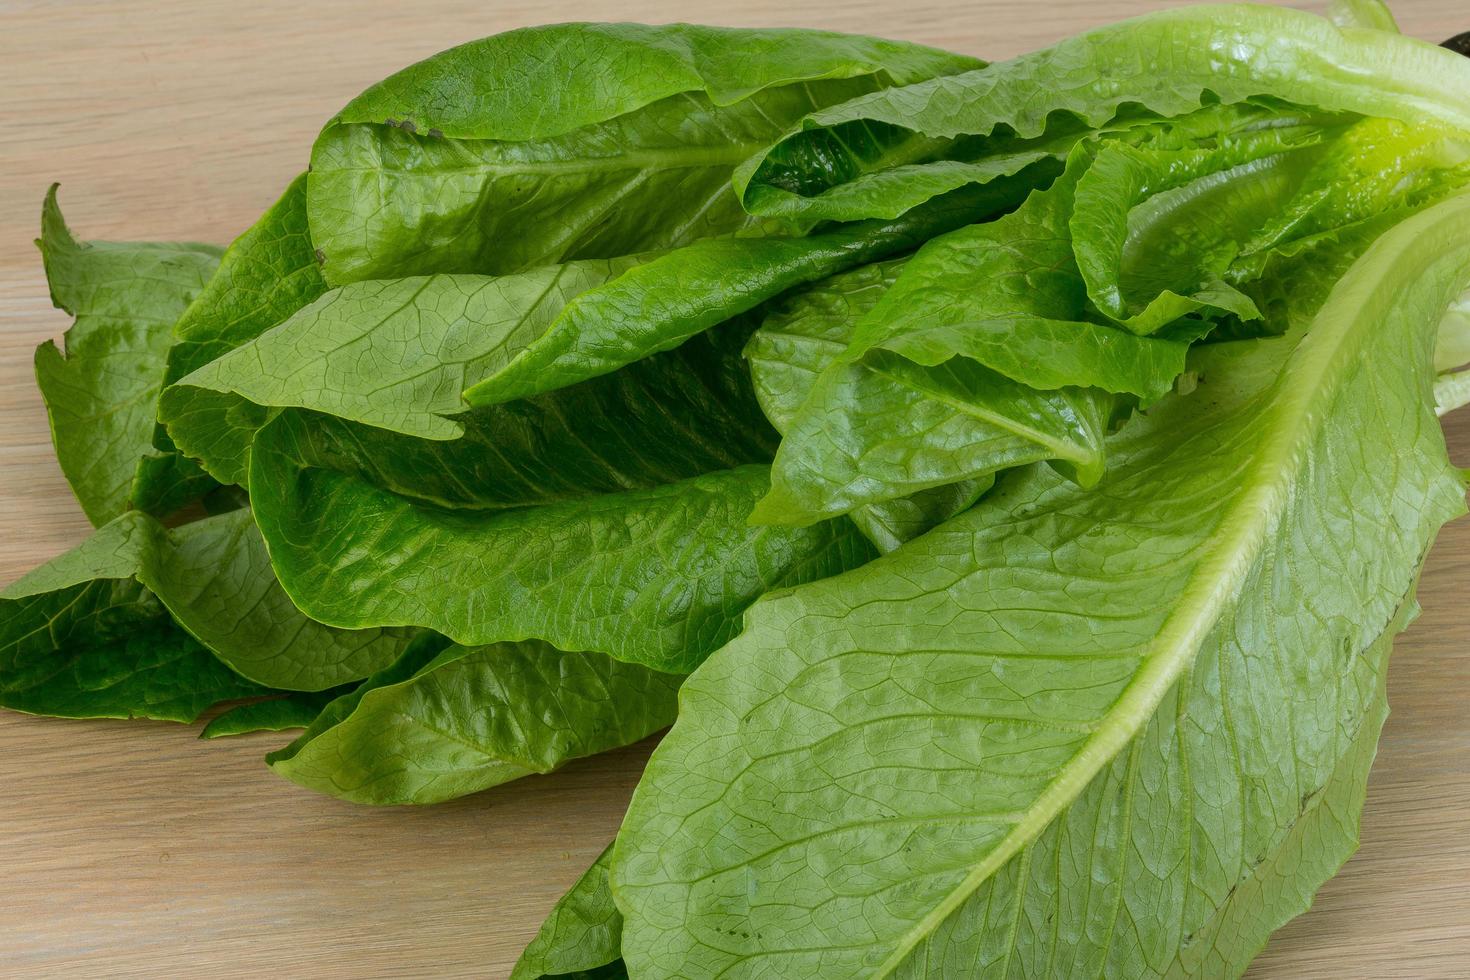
(135, 850)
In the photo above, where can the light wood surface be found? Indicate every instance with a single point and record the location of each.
(134, 849)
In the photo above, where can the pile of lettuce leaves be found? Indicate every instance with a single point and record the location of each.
(1007, 479)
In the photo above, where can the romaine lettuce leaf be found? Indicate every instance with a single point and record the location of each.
(657, 306)
(573, 141)
(798, 340)
(1121, 732)
(1165, 64)
(449, 720)
(656, 576)
(667, 418)
(396, 353)
(858, 436)
(295, 709)
(101, 392)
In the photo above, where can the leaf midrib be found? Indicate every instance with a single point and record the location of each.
(1289, 424)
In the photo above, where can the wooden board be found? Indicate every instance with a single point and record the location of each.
(133, 850)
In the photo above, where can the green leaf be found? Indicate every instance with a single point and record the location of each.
(656, 576)
(396, 353)
(1165, 64)
(508, 152)
(892, 522)
(886, 428)
(657, 306)
(81, 637)
(214, 578)
(1123, 732)
(867, 433)
(100, 394)
(450, 720)
(295, 710)
(1009, 294)
(267, 274)
(583, 934)
(795, 344)
(1372, 166)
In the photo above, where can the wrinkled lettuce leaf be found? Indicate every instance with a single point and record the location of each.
(448, 720)
(658, 576)
(835, 165)
(1193, 650)
(574, 141)
(658, 306)
(858, 436)
(396, 353)
(101, 386)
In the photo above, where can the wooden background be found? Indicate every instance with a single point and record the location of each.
(134, 849)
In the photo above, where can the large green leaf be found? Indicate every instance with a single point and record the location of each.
(582, 937)
(267, 274)
(450, 720)
(81, 637)
(676, 562)
(101, 393)
(1123, 732)
(215, 576)
(573, 141)
(656, 576)
(214, 579)
(396, 353)
(841, 162)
